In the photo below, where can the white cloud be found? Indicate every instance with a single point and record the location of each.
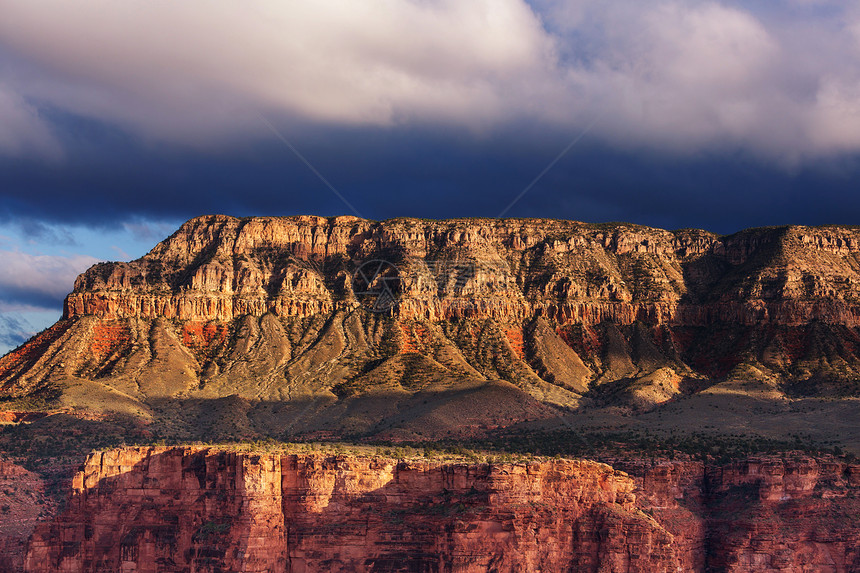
(32, 281)
(690, 74)
(682, 74)
(836, 124)
(175, 67)
(678, 74)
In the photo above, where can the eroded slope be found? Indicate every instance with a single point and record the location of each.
(529, 317)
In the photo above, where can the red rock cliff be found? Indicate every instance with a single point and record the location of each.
(191, 509)
(201, 509)
(765, 514)
(23, 504)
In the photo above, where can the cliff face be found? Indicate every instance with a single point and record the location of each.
(23, 504)
(207, 510)
(762, 514)
(193, 509)
(221, 268)
(526, 313)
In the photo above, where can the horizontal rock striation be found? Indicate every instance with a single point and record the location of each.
(271, 309)
(221, 268)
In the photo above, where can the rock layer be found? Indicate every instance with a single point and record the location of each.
(270, 311)
(23, 504)
(764, 514)
(188, 509)
(204, 509)
(221, 268)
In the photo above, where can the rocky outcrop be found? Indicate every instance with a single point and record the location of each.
(274, 310)
(243, 328)
(763, 514)
(221, 268)
(205, 509)
(184, 509)
(24, 503)
(785, 515)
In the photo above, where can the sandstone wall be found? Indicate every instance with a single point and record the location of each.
(219, 268)
(24, 503)
(793, 513)
(188, 509)
(193, 509)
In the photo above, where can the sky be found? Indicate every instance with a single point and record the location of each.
(120, 120)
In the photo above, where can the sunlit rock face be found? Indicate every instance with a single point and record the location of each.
(221, 268)
(524, 312)
(249, 328)
(189, 509)
(205, 509)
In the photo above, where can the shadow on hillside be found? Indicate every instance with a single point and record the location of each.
(66, 435)
(480, 411)
(424, 415)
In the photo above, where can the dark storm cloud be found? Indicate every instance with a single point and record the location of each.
(386, 173)
(33, 230)
(23, 297)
